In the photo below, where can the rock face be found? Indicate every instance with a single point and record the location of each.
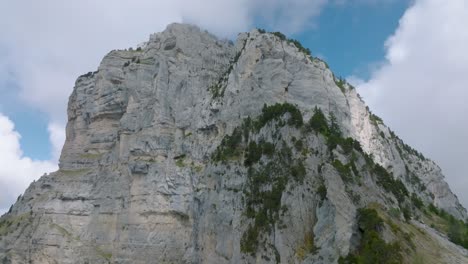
(161, 161)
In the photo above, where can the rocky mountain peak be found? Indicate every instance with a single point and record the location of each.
(191, 149)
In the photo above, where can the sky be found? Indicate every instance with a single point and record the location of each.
(407, 59)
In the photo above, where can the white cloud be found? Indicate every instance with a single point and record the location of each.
(45, 45)
(287, 16)
(16, 170)
(56, 138)
(421, 89)
(49, 43)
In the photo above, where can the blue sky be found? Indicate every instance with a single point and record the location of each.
(351, 38)
(407, 58)
(32, 125)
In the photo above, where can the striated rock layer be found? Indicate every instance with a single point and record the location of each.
(145, 176)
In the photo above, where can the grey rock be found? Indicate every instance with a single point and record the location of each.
(137, 183)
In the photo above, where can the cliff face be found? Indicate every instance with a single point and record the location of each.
(194, 150)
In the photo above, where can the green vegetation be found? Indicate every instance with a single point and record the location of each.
(271, 168)
(307, 246)
(402, 146)
(91, 155)
(322, 191)
(412, 151)
(340, 82)
(299, 145)
(10, 223)
(456, 230)
(218, 88)
(344, 170)
(319, 59)
(416, 201)
(375, 119)
(386, 181)
(319, 123)
(266, 184)
(254, 151)
(64, 232)
(295, 42)
(372, 249)
(276, 111)
(266, 180)
(235, 145)
(299, 46)
(102, 253)
(279, 35)
(180, 161)
(230, 147)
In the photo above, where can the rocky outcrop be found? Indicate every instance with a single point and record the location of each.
(153, 170)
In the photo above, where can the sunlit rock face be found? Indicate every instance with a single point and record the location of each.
(159, 164)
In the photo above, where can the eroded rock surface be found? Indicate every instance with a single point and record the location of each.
(138, 181)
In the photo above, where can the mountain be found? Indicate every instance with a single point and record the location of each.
(191, 149)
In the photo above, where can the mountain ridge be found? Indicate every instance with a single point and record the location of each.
(139, 170)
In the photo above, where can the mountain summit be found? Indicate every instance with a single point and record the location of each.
(191, 149)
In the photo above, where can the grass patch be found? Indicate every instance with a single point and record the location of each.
(61, 230)
(76, 172)
(372, 248)
(10, 223)
(91, 155)
(307, 246)
(180, 161)
(102, 253)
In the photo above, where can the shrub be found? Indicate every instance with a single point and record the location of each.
(279, 35)
(416, 201)
(457, 229)
(249, 240)
(298, 171)
(276, 111)
(318, 122)
(369, 220)
(386, 181)
(230, 147)
(296, 43)
(372, 249)
(307, 246)
(343, 170)
(341, 84)
(299, 46)
(406, 212)
(375, 119)
(299, 144)
(322, 192)
(253, 154)
(267, 148)
(433, 209)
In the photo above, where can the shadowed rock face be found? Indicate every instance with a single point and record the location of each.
(138, 181)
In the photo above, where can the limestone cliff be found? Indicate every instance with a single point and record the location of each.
(190, 149)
